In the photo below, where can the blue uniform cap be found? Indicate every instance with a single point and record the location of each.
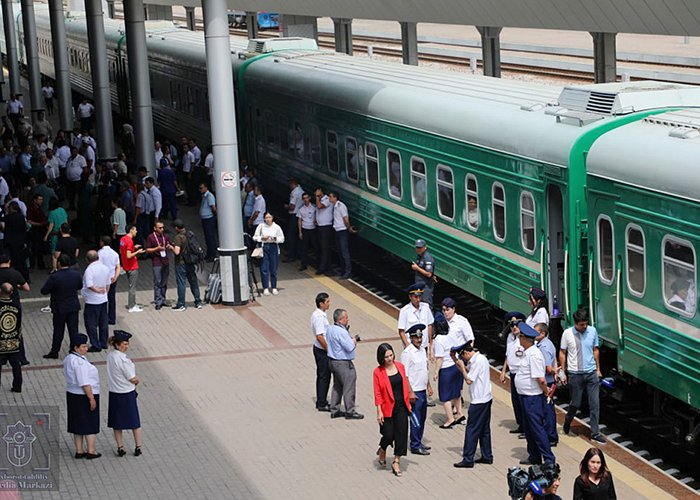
(513, 317)
(420, 243)
(528, 331)
(464, 347)
(121, 336)
(416, 330)
(415, 289)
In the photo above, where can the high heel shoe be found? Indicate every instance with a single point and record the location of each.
(381, 461)
(120, 451)
(137, 451)
(396, 468)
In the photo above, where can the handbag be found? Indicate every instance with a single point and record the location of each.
(257, 252)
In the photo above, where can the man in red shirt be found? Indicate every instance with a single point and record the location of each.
(128, 252)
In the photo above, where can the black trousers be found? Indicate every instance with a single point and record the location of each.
(325, 240)
(60, 322)
(308, 243)
(15, 363)
(394, 431)
(323, 377)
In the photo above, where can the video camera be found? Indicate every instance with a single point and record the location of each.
(536, 479)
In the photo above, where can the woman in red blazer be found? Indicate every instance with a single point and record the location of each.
(392, 396)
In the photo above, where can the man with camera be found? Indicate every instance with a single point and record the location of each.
(340, 347)
(539, 482)
(476, 373)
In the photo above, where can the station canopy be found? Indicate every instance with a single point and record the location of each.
(654, 17)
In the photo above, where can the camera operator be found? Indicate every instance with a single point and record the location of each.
(551, 478)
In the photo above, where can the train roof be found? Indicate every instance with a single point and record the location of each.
(660, 153)
(521, 118)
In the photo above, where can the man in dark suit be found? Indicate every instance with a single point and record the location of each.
(63, 285)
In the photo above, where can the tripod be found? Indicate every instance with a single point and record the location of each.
(252, 264)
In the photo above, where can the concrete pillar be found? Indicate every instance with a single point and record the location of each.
(491, 49)
(2, 78)
(60, 62)
(343, 35)
(191, 21)
(303, 26)
(251, 23)
(140, 84)
(32, 52)
(110, 8)
(100, 79)
(409, 43)
(157, 12)
(604, 57)
(232, 251)
(8, 22)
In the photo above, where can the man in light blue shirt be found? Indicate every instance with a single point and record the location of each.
(340, 347)
(207, 212)
(549, 352)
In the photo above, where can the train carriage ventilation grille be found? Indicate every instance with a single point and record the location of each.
(600, 102)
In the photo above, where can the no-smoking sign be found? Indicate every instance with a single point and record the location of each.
(228, 179)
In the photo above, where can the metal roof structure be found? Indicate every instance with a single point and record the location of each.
(659, 17)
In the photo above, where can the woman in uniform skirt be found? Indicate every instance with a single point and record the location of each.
(449, 379)
(83, 398)
(123, 411)
(392, 397)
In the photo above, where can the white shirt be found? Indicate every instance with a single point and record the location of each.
(85, 110)
(120, 370)
(296, 200)
(99, 276)
(441, 349)
(159, 156)
(197, 155)
(15, 106)
(531, 368)
(271, 231)
(109, 258)
(63, 154)
(307, 214)
(340, 211)
(324, 216)
(460, 330)
(22, 206)
(409, 316)
(187, 162)
(479, 375)
(47, 91)
(79, 372)
(319, 323)
(513, 347)
(540, 316)
(209, 164)
(4, 190)
(157, 199)
(259, 207)
(53, 168)
(74, 168)
(416, 363)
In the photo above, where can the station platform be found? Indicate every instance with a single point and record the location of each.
(227, 407)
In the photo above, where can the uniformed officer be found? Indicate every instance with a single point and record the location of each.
(424, 267)
(514, 354)
(533, 391)
(415, 360)
(414, 313)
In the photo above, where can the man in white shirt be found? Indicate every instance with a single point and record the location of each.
(109, 258)
(97, 279)
(319, 324)
(295, 201)
(156, 198)
(416, 313)
(306, 227)
(85, 112)
(209, 168)
(415, 360)
(47, 91)
(53, 166)
(514, 354)
(158, 152)
(196, 153)
(342, 228)
(477, 375)
(15, 110)
(533, 391)
(75, 167)
(324, 224)
(259, 208)
(4, 190)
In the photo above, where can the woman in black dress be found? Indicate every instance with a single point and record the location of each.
(15, 238)
(392, 396)
(595, 481)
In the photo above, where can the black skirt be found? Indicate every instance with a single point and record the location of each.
(81, 420)
(123, 412)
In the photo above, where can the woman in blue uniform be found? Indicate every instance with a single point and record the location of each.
(122, 381)
(83, 398)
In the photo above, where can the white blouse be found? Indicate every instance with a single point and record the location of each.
(120, 370)
(80, 372)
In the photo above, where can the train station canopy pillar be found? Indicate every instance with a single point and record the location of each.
(110, 9)
(30, 46)
(11, 46)
(2, 79)
(251, 22)
(60, 63)
(139, 84)
(157, 12)
(491, 49)
(100, 78)
(409, 42)
(189, 16)
(303, 26)
(342, 28)
(232, 251)
(604, 57)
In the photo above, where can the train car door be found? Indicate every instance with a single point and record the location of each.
(605, 269)
(555, 247)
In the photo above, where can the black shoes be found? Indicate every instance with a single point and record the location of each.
(159, 307)
(420, 451)
(80, 455)
(15, 390)
(337, 414)
(460, 420)
(137, 451)
(324, 408)
(527, 461)
(430, 404)
(121, 452)
(92, 456)
(464, 465)
(354, 416)
(519, 430)
(483, 461)
(50, 356)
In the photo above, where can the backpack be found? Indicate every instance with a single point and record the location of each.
(195, 252)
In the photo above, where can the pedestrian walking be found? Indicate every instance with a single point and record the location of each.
(341, 353)
(128, 252)
(11, 334)
(415, 360)
(110, 258)
(97, 279)
(63, 287)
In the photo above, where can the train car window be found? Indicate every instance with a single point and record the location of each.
(498, 199)
(351, 160)
(527, 221)
(332, 143)
(270, 128)
(259, 127)
(315, 145)
(473, 214)
(419, 193)
(393, 172)
(298, 141)
(284, 133)
(606, 250)
(636, 272)
(372, 166)
(679, 280)
(445, 192)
